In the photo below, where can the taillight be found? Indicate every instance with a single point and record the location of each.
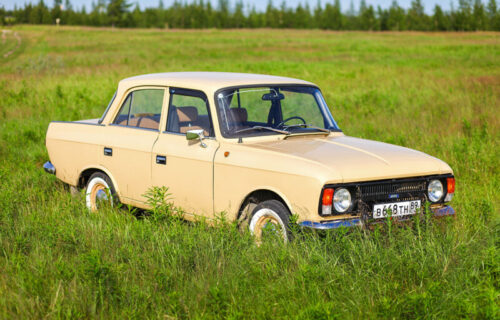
(450, 188)
(326, 201)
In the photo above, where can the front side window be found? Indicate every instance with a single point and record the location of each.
(141, 109)
(273, 110)
(188, 110)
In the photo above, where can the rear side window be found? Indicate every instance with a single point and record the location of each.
(141, 109)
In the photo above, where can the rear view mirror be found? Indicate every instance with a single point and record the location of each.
(273, 96)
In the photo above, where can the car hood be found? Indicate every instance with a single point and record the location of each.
(355, 159)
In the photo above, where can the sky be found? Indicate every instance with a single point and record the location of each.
(259, 4)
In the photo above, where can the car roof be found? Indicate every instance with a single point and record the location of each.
(207, 81)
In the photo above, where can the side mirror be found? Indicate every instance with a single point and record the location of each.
(196, 134)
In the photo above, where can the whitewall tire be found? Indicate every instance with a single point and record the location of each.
(270, 216)
(99, 192)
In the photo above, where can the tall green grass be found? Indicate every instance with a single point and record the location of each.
(438, 93)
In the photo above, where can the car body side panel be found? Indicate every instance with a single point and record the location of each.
(73, 146)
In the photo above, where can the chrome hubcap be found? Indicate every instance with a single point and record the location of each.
(267, 223)
(101, 195)
(267, 227)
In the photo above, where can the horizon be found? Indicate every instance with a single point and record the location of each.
(260, 5)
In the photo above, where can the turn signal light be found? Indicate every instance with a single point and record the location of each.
(327, 197)
(450, 182)
(450, 188)
(326, 201)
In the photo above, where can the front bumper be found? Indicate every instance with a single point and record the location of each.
(331, 224)
(324, 225)
(49, 167)
(443, 211)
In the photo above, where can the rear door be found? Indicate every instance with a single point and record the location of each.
(186, 167)
(129, 141)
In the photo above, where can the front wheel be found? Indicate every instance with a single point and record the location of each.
(270, 218)
(100, 192)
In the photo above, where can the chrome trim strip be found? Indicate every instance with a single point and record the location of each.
(331, 224)
(183, 134)
(313, 133)
(49, 167)
(174, 133)
(77, 122)
(132, 127)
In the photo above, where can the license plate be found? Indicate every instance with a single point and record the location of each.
(397, 209)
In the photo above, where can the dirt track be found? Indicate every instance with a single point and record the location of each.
(4, 39)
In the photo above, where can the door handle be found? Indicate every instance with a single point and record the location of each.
(161, 159)
(108, 151)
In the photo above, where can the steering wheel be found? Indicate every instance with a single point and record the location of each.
(291, 118)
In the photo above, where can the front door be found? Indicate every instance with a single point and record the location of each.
(186, 167)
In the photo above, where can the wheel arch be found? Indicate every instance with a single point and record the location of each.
(86, 172)
(258, 195)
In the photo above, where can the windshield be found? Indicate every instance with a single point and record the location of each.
(273, 111)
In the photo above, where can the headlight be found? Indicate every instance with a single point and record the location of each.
(341, 200)
(435, 190)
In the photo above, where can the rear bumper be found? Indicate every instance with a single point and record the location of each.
(49, 167)
(438, 212)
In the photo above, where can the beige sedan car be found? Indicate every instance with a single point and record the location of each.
(257, 148)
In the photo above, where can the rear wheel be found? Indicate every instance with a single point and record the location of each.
(270, 218)
(100, 192)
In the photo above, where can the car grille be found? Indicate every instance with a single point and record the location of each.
(392, 191)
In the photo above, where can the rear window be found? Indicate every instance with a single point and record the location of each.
(141, 109)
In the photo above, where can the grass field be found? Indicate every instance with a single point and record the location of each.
(438, 93)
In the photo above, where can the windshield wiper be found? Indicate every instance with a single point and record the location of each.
(262, 128)
(305, 125)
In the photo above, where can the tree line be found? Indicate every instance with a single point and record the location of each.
(466, 15)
